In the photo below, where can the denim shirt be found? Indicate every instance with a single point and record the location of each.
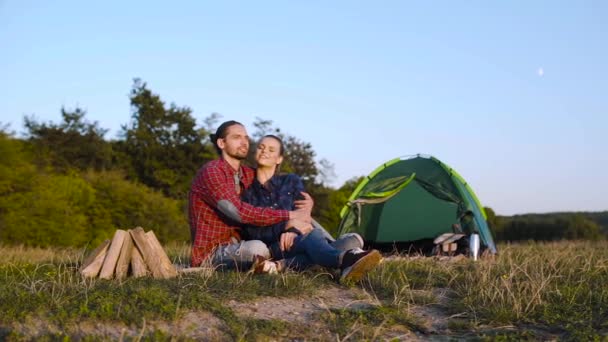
(280, 192)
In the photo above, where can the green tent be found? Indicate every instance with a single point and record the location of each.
(411, 201)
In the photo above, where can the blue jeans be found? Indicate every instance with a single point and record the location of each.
(315, 248)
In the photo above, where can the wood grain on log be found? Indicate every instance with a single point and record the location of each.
(122, 266)
(91, 270)
(166, 266)
(138, 266)
(147, 251)
(109, 264)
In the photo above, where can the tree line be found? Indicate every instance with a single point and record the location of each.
(65, 184)
(549, 227)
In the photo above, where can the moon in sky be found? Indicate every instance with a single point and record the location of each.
(540, 72)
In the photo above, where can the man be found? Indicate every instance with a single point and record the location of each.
(216, 212)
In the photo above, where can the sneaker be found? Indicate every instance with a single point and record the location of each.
(356, 262)
(263, 265)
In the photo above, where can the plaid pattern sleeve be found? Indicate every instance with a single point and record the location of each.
(218, 187)
(209, 227)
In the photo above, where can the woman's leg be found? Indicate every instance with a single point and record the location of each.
(315, 249)
(312, 249)
(344, 242)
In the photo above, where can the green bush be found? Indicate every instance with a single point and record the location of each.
(125, 205)
(53, 212)
(41, 208)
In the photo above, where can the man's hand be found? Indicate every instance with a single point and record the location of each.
(303, 226)
(306, 203)
(286, 241)
(300, 215)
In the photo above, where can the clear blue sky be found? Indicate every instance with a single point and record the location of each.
(512, 94)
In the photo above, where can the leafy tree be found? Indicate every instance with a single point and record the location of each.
(16, 168)
(51, 212)
(548, 227)
(300, 159)
(495, 222)
(39, 207)
(299, 155)
(17, 174)
(5, 129)
(326, 173)
(163, 144)
(74, 143)
(579, 227)
(329, 216)
(68, 210)
(120, 204)
(601, 218)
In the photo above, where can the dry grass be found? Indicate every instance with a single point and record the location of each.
(557, 288)
(35, 255)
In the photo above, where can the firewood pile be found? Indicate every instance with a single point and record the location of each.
(130, 253)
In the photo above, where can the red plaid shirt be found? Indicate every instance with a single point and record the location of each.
(209, 227)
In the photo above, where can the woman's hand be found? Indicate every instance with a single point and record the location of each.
(286, 241)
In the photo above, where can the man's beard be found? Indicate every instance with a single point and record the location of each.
(236, 155)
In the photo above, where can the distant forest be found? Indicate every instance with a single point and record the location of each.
(552, 226)
(65, 184)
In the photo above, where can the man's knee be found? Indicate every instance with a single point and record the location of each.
(254, 247)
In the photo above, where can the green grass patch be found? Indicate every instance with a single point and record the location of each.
(367, 324)
(407, 282)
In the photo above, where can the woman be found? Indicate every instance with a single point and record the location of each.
(289, 247)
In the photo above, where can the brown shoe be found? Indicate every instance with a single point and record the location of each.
(357, 262)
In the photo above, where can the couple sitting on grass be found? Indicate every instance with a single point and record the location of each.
(258, 219)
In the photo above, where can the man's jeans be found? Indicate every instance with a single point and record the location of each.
(239, 254)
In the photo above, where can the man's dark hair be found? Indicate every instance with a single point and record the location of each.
(221, 133)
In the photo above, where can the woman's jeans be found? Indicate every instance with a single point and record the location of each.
(316, 248)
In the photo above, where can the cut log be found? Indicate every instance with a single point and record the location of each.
(166, 266)
(147, 251)
(91, 270)
(122, 266)
(138, 266)
(91, 257)
(109, 264)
